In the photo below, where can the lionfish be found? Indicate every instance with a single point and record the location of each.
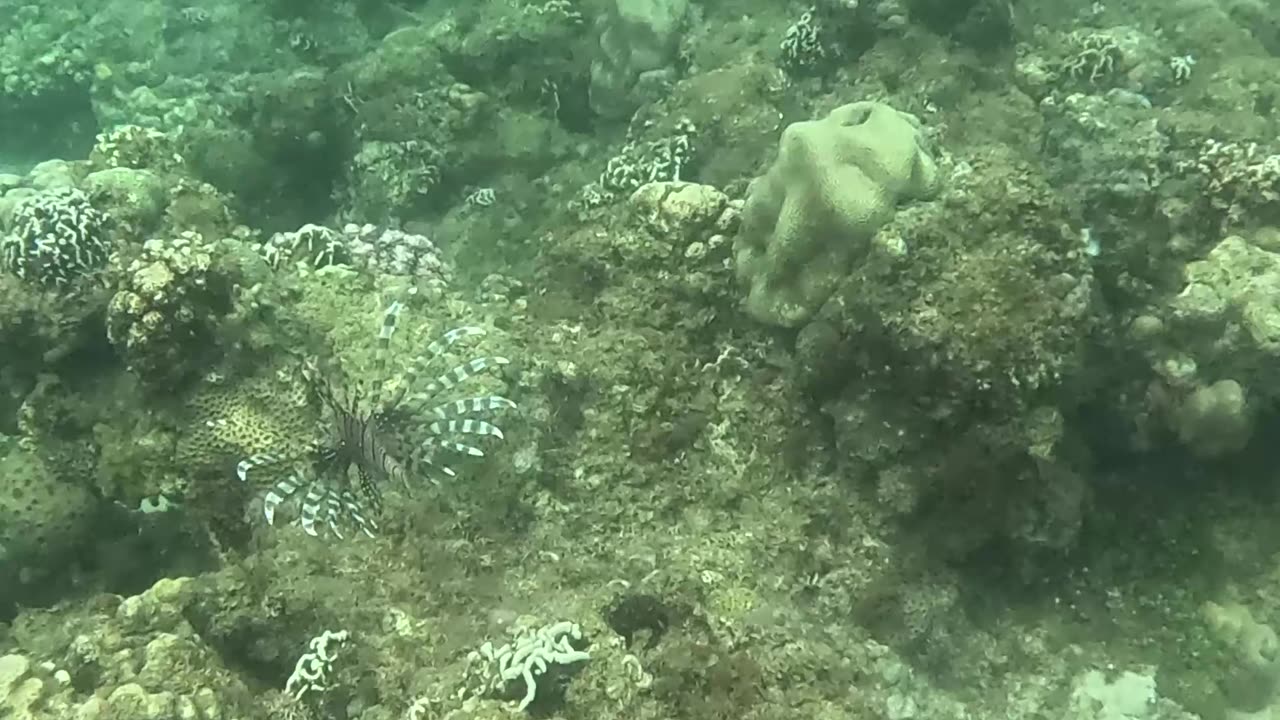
(360, 435)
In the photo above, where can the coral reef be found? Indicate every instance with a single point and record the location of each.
(126, 653)
(952, 402)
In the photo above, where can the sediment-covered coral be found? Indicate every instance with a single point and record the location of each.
(1225, 317)
(1215, 419)
(802, 47)
(681, 210)
(388, 251)
(137, 147)
(1214, 347)
(166, 307)
(664, 159)
(42, 56)
(1239, 182)
(312, 245)
(1127, 695)
(387, 179)
(135, 199)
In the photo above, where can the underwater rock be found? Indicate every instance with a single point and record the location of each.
(135, 199)
(1215, 419)
(679, 209)
(638, 43)
(1252, 677)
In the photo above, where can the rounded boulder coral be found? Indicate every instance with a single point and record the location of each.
(835, 182)
(41, 516)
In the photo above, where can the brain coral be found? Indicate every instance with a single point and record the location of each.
(813, 214)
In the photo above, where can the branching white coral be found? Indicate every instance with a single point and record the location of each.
(526, 658)
(311, 673)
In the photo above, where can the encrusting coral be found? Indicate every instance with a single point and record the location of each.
(166, 307)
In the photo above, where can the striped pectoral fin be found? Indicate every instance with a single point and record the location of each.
(465, 426)
(330, 505)
(432, 470)
(355, 512)
(456, 375)
(471, 406)
(254, 461)
(318, 504)
(468, 369)
(396, 471)
(435, 349)
(388, 328)
(390, 318)
(438, 347)
(453, 445)
(280, 492)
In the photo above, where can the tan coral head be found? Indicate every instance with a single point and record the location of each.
(807, 220)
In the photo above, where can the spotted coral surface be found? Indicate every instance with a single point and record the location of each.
(41, 516)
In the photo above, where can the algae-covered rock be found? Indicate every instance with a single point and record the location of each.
(673, 209)
(947, 350)
(1215, 420)
(133, 198)
(835, 182)
(1251, 679)
(985, 292)
(638, 42)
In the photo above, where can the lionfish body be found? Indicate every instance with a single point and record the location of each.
(360, 440)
